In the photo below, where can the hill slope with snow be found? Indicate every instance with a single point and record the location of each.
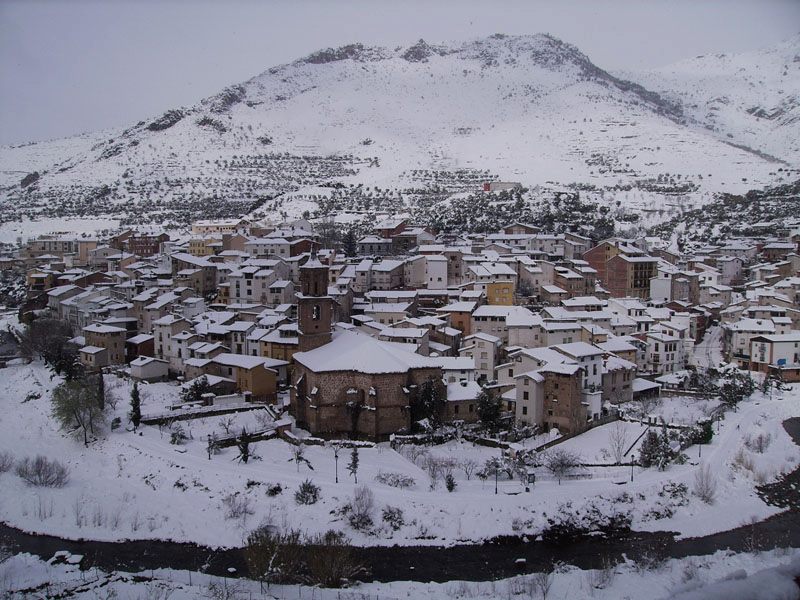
(409, 125)
(752, 98)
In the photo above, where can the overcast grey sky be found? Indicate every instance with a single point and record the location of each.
(72, 66)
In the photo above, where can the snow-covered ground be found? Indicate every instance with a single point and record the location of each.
(138, 485)
(723, 575)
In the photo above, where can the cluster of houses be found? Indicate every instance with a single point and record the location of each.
(562, 329)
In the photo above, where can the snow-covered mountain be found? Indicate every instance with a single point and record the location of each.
(752, 98)
(407, 125)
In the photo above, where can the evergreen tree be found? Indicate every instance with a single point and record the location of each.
(429, 403)
(243, 443)
(349, 243)
(195, 391)
(352, 467)
(136, 407)
(489, 408)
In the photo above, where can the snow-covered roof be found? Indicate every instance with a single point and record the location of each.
(363, 354)
(464, 390)
(100, 328)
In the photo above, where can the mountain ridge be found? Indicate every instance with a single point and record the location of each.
(416, 122)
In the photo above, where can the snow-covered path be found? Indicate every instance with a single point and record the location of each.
(708, 353)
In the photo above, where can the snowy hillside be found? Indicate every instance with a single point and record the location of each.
(751, 99)
(404, 126)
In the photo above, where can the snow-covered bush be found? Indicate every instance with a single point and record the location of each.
(393, 517)
(42, 472)
(758, 443)
(6, 461)
(397, 480)
(307, 493)
(450, 482)
(657, 450)
(273, 489)
(362, 507)
(237, 506)
(596, 517)
(177, 434)
(705, 484)
(671, 496)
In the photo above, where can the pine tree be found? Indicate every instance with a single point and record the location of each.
(101, 391)
(349, 243)
(489, 408)
(352, 467)
(136, 407)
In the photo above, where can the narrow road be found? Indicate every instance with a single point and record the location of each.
(708, 352)
(492, 560)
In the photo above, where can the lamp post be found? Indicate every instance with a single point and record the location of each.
(496, 469)
(632, 470)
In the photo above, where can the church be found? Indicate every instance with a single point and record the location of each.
(347, 384)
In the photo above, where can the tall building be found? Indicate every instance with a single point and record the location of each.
(314, 305)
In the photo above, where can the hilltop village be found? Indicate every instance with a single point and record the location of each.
(562, 331)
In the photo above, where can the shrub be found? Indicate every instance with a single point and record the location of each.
(272, 556)
(397, 480)
(177, 435)
(331, 561)
(743, 460)
(42, 472)
(450, 482)
(361, 509)
(759, 443)
(307, 493)
(237, 507)
(274, 489)
(6, 461)
(705, 484)
(393, 517)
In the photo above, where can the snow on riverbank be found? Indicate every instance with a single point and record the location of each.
(131, 485)
(724, 575)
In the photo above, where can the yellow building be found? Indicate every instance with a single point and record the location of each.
(500, 293)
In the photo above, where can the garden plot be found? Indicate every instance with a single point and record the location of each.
(680, 410)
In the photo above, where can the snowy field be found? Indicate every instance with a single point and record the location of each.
(721, 576)
(140, 486)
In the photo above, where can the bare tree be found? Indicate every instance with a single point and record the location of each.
(618, 440)
(298, 457)
(561, 463)
(543, 581)
(468, 466)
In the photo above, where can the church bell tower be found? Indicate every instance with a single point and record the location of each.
(314, 306)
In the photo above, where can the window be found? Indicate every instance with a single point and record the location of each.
(524, 410)
(315, 312)
(525, 395)
(455, 409)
